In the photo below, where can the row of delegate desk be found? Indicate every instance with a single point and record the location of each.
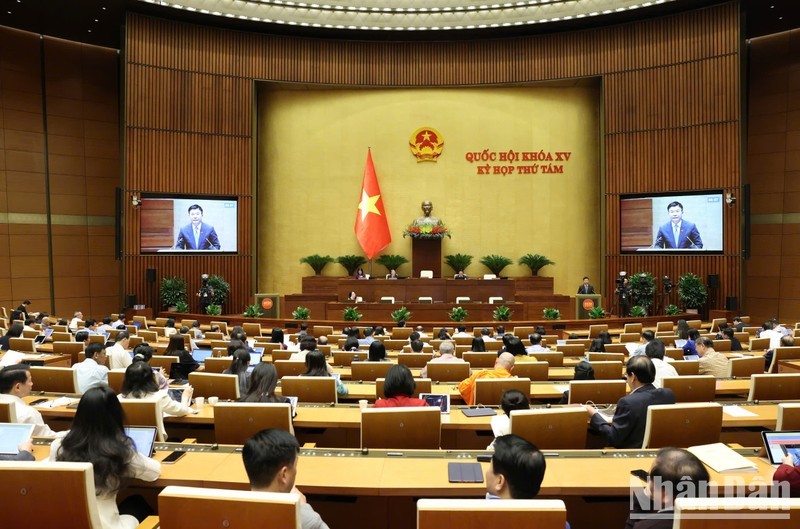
(375, 489)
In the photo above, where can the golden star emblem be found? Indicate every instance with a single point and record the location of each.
(367, 204)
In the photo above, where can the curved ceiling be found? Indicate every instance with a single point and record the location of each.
(407, 15)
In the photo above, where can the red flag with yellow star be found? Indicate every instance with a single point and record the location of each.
(372, 227)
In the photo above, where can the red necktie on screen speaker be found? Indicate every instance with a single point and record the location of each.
(372, 227)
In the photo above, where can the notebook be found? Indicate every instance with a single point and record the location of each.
(143, 437)
(439, 400)
(464, 473)
(478, 412)
(13, 435)
(721, 458)
(782, 444)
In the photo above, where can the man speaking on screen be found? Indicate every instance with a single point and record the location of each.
(197, 235)
(678, 233)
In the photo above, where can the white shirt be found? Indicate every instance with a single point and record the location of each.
(464, 334)
(169, 331)
(663, 369)
(73, 323)
(29, 415)
(102, 329)
(501, 425)
(90, 374)
(774, 337)
(166, 404)
(139, 467)
(488, 338)
(118, 357)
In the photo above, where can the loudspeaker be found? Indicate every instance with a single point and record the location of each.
(713, 281)
(731, 303)
(130, 301)
(151, 275)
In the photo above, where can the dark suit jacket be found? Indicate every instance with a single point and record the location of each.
(5, 342)
(208, 238)
(688, 237)
(630, 418)
(581, 290)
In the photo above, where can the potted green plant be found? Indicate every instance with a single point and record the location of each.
(401, 314)
(637, 311)
(221, 289)
(317, 262)
(172, 290)
(672, 310)
(596, 313)
(181, 306)
(253, 311)
(691, 292)
(458, 261)
(391, 261)
(643, 288)
(351, 263)
(552, 314)
(502, 313)
(301, 313)
(214, 310)
(351, 314)
(458, 314)
(535, 262)
(495, 263)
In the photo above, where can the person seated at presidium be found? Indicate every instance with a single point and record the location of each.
(197, 235)
(398, 387)
(360, 274)
(352, 296)
(460, 275)
(677, 233)
(270, 460)
(316, 366)
(97, 436)
(626, 430)
(392, 274)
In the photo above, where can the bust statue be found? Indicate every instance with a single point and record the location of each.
(427, 219)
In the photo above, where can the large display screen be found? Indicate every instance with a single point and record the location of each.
(194, 224)
(671, 223)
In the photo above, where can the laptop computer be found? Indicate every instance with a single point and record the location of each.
(137, 324)
(200, 355)
(13, 435)
(47, 332)
(255, 356)
(39, 339)
(143, 437)
(781, 444)
(680, 343)
(437, 399)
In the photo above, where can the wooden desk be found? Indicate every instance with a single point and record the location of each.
(440, 289)
(424, 312)
(788, 366)
(46, 358)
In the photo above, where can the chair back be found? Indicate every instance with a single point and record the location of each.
(744, 367)
(29, 492)
(30, 333)
(634, 328)
(190, 508)
(722, 346)
(115, 379)
(715, 323)
(401, 428)
(321, 330)
(346, 358)
(161, 322)
(236, 422)
(413, 359)
(683, 425)
(223, 326)
(148, 336)
(539, 371)
(144, 412)
(736, 513)
(759, 344)
(788, 416)
(480, 360)
(692, 388)
(675, 354)
(24, 345)
(185, 322)
(68, 348)
(310, 389)
(595, 330)
(489, 391)
(448, 371)
(426, 348)
(781, 353)
(629, 337)
(553, 358)
(606, 357)
(688, 367)
(401, 333)
(55, 379)
(214, 336)
(552, 429)
(662, 326)
(571, 349)
(218, 364)
(695, 324)
(509, 514)
(421, 385)
(523, 332)
(607, 370)
(252, 330)
(394, 345)
(226, 387)
(8, 412)
(62, 336)
(369, 371)
(163, 361)
(774, 387)
(597, 391)
(289, 368)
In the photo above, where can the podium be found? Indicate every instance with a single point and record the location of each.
(584, 303)
(426, 254)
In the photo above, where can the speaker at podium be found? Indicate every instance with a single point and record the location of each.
(584, 303)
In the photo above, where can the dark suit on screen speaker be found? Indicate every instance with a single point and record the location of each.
(206, 238)
(688, 236)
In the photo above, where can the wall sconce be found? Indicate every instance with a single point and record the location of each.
(730, 199)
(135, 200)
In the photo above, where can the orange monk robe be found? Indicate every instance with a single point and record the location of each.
(467, 386)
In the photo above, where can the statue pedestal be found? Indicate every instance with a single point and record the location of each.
(426, 254)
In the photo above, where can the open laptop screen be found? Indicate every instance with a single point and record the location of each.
(439, 400)
(200, 355)
(13, 435)
(143, 438)
(782, 444)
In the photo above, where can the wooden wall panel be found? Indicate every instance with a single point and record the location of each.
(671, 112)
